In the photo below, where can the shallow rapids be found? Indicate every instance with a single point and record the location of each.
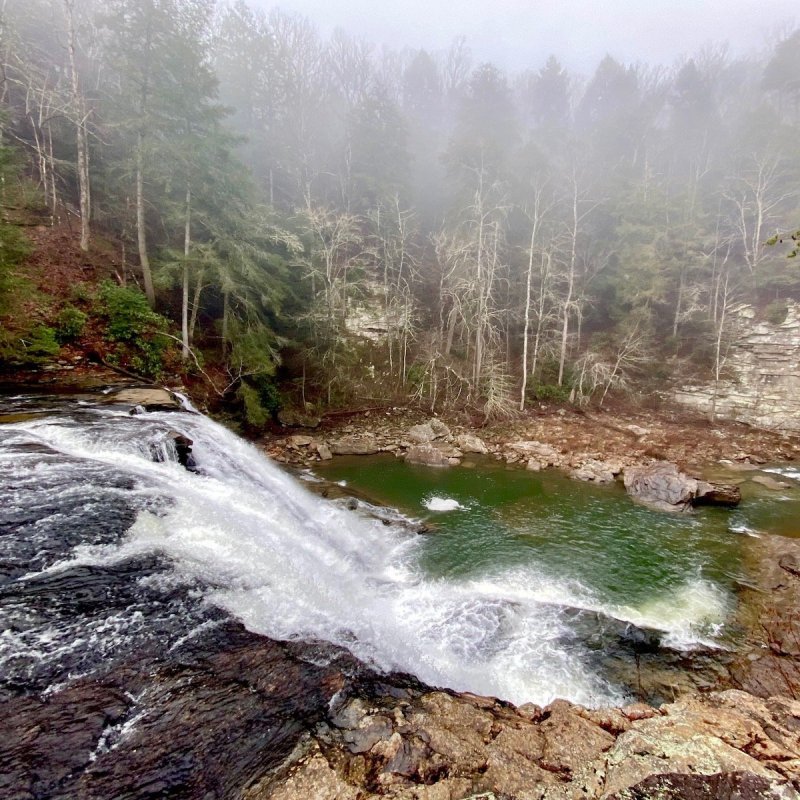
(105, 550)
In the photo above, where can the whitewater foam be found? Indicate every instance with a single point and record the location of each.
(436, 503)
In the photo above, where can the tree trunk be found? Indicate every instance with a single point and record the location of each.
(225, 312)
(141, 233)
(187, 244)
(81, 136)
(534, 228)
(198, 288)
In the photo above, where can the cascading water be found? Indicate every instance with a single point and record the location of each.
(164, 549)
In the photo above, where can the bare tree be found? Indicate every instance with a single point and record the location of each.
(81, 132)
(757, 195)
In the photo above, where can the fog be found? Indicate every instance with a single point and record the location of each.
(520, 34)
(564, 203)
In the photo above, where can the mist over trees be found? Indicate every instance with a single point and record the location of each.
(368, 223)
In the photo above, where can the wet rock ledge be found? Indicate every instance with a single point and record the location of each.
(430, 745)
(229, 714)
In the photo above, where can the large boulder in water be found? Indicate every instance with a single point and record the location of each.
(717, 494)
(433, 454)
(663, 486)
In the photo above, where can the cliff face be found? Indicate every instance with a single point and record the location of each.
(763, 364)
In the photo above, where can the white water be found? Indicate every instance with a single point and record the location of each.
(291, 565)
(441, 504)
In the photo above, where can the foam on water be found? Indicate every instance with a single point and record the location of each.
(441, 504)
(290, 565)
(786, 472)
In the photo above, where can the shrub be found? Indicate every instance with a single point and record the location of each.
(254, 412)
(41, 344)
(70, 323)
(132, 323)
(776, 312)
(551, 393)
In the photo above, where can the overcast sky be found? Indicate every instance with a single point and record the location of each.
(516, 34)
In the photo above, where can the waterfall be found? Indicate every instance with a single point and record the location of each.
(85, 494)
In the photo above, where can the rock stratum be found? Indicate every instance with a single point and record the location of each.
(761, 385)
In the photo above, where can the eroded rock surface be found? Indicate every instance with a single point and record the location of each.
(431, 745)
(663, 486)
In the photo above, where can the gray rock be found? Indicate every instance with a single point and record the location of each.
(469, 443)
(660, 485)
(324, 452)
(428, 431)
(546, 455)
(663, 486)
(594, 471)
(770, 483)
(420, 434)
(364, 445)
(432, 455)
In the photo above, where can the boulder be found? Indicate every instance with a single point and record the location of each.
(433, 455)
(717, 494)
(353, 445)
(420, 434)
(324, 452)
(439, 428)
(469, 443)
(663, 486)
(428, 431)
(660, 485)
(770, 483)
(181, 444)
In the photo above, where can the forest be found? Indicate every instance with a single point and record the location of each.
(317, 223)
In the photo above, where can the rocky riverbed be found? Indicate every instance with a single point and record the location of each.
(589, 445)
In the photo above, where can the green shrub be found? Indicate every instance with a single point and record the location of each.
(551, 393)
(775, 313)
(133, 324)
(41, 344)
(70, 323)
(254, 412)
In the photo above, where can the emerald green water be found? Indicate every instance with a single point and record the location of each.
(573, 543)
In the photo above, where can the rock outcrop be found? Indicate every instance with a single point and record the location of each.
(663, 486)
(765, 361)
(432, 745)
(151, 399)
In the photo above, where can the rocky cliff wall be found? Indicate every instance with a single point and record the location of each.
(763, 365)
